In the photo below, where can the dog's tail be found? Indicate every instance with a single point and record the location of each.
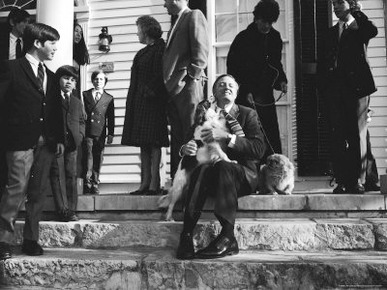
(176, 190)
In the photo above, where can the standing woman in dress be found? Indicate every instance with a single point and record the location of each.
(80, 57)
(145, 123)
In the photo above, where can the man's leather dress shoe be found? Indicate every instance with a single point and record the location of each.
(355, 189)
(371, 187)
(5, 251)
(185, 250)
(220, 247)
(339, 189)
(31, 248)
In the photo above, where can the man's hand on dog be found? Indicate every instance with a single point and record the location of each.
(209, 135)
(190, 148)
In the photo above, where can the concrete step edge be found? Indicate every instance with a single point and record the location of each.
(255, 234)
(149, 268)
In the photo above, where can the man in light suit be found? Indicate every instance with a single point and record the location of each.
(32, 134)
(99, 106)
(347, 83)
(184, 61)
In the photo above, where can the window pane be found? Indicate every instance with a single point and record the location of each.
(247, 5)
(221, 58)
(280, 26)
(244, 20)
(226, 27)
(225, 6)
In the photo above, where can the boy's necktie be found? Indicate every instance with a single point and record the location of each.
(18, 49)
(40, 76)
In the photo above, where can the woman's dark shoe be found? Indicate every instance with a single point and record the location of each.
(139, 192)
(5, 251)
(220, 247)
(185, 250)
(152, 192)
(31, 248)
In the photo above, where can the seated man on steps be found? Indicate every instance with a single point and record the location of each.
(224, 181)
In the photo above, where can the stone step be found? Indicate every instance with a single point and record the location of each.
(311, 205)
(150, 268)
(252, 234)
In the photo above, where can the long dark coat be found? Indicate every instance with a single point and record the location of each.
(145, 117)
(254, 59)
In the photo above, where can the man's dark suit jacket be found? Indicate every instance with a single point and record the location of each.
(349, 56)
(74, 122)
(4, 42)
(29, 111)
(98, 114)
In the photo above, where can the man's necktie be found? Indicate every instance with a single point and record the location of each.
(67, 100)
(97, 96)
(18, 48)
(343, 28)
(173, 21)
(235, 127)
(41, 75)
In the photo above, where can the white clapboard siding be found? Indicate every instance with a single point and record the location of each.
(377, 57)
(121, 163)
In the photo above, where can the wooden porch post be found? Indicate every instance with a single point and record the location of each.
(60, 15)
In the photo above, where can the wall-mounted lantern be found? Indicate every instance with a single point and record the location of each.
(104, 40)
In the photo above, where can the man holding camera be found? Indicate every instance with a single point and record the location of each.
(347, 83)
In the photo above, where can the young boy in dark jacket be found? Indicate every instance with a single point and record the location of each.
(63, 172)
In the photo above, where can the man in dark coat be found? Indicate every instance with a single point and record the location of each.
(99, 106)
(11, 41)
(225, 181)
(346, 83)
(33, 133)
(11, 47)
(254, 60)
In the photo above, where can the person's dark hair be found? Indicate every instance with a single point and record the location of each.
(97, 72)
(219, 78)
(40, 32)
(150, 26)
(267, 10)
(17, 15)
(80, 52)
(66, 70)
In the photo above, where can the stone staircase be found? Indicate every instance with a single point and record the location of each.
(304, 241)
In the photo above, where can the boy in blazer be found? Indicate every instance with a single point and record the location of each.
(347, 84)
(32, 135)
(63, 174)
(99, 106)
